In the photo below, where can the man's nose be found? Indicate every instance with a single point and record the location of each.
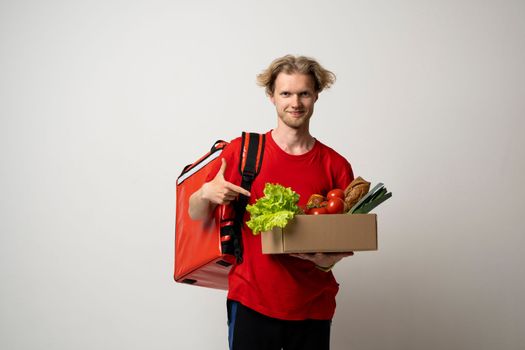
(296, 101)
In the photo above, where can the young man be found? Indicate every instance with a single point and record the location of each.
(281, 301)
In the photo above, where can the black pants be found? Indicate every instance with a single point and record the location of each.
(250, 330)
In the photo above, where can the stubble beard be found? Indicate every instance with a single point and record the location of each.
(295, 123)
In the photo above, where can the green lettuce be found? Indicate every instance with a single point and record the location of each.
(275, 209)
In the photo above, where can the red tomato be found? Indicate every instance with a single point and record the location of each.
(335, 206)
(318, 211)
(336, 193)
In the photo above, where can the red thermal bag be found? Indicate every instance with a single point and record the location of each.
(203, 249)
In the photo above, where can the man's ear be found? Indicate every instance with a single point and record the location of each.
(272, 99)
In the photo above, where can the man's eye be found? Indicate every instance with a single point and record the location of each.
(285, 93)
(305, 94)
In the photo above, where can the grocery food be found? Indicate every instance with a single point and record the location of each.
(372, 199)
(279, 204)
(274, 209)
(315, 201)
(318, 211)
(333, 203)
(336, 192)
(355, 191)
(335, 206)
(357, 198)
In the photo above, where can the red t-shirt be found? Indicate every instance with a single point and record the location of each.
(282, 286)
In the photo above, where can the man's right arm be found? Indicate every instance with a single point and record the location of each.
(200, 208)
(218, 191)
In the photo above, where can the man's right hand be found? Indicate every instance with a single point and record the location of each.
(217, 191)
(220, 191)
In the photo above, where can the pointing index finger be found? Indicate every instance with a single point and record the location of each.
(238, 189)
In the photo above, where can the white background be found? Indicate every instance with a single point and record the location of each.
(103, 102)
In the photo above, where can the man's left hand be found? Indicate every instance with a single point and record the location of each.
(323, 260)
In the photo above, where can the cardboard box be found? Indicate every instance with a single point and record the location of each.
(323, 233)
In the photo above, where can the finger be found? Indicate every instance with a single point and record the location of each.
(230, 198)
(298, 256)
(237, 189)
(223, 167)
(344, 255)
(302, 256)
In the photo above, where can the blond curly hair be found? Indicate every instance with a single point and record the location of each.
(289, 64)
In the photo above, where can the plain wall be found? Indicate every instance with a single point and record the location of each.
(103, 102)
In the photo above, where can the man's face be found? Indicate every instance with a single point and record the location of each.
(294, 97)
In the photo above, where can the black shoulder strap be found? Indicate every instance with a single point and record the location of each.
(252, 150)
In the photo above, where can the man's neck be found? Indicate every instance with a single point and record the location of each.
(293, 141)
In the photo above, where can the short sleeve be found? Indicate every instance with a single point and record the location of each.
(231, 154)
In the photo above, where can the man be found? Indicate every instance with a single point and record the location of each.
(281, 301)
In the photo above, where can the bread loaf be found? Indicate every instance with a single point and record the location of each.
(355, 191)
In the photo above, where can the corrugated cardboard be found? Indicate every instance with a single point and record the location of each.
(323, 233)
